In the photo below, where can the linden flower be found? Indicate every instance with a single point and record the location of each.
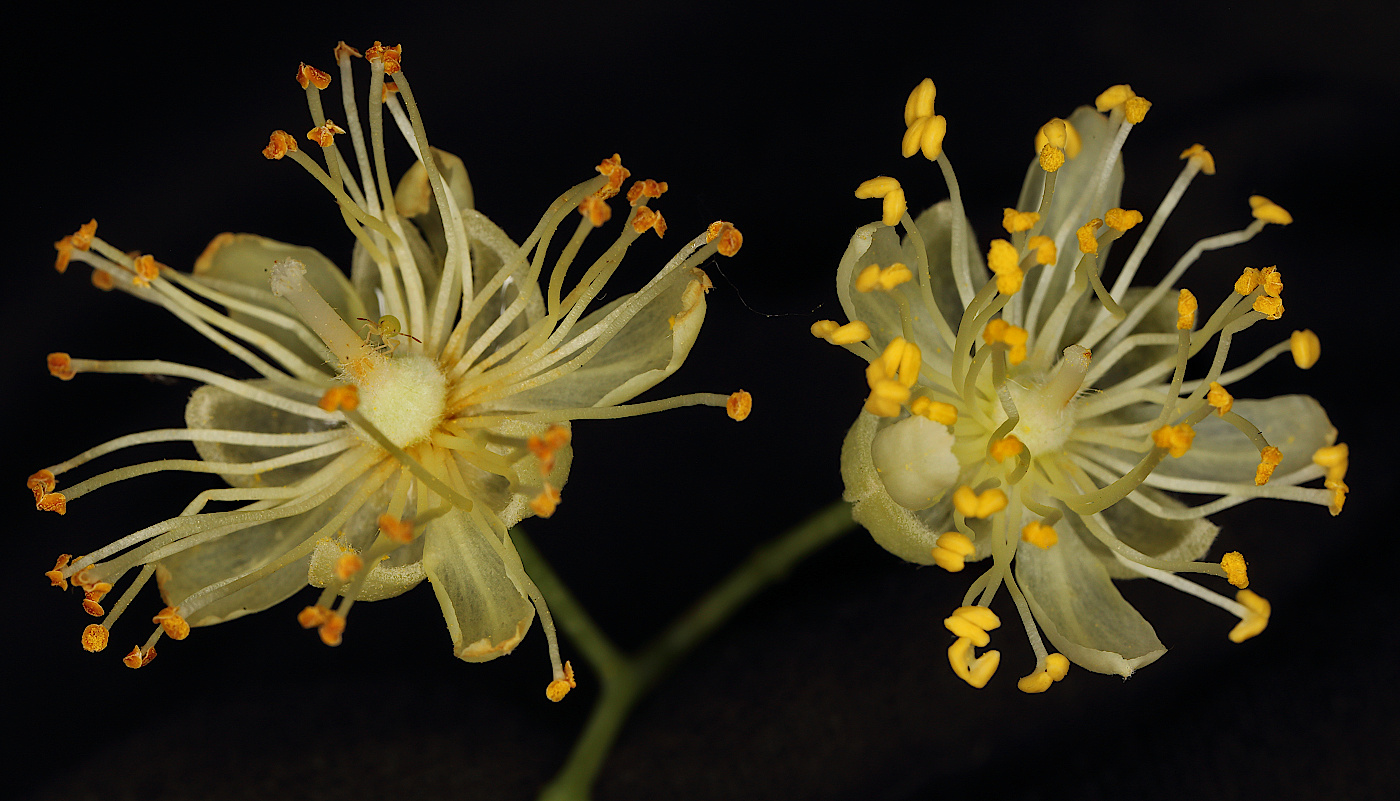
(404, 418)
(991, 430)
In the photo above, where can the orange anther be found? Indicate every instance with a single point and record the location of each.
(1176, 439)
(559, 688)
(646, 219)
(175, 626)
(82, 240)
(93, 608)
(340, 396)
(313, 616)
(97, 591)
(332, 629)
(279, 144)
(400, 531)
(730, 240)
(134, 659)
(40, 483)
(55, 576)
(64, 247)
(1006, 447)
(546, 502)
(389, 55)
(616, 173)
(1269, 458)
(324, 135)
(648, 188)
(94, 638)
(596, 210)
(544, 448)
(343, 49)
(52, 502)
(739, 405)
(103, 280)
(310, 75)
(146, 269)
(389, 88)
(348, 565)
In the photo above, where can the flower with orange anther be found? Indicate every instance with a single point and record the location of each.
(364, 469)
(1071, 420)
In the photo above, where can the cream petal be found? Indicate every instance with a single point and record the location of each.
(1295, 424)
(212, 407)
(365, 278)
(900, 531)
(486, 612)
(1175, 540)
(492, 249)
(238, 264)
(413, 197)
(1080, 610)
(648, 348)
(1160, 319)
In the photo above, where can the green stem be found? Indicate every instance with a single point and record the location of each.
(626, 679)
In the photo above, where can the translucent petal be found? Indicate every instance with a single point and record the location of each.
(1178, 540)
(413, 197)
(486, 613)
(364, 273)
(898, 530)
(211, 407)
(1080, 610)
(1295, 424)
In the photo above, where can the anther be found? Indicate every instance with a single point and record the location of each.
(279, 144)
(1186, 306)
(1268, 211)
(559, 688)
(1061, 135)
(311, 617)
(1087, 242)
(730, 239)
(400, 531)
(138, 658)
(61, 366)
(546, 502)
(596, 210)
(971, 624)
(1272, 281)
(1176, 439)
(1056, 668)
(616, 174)
(970, 504)
(1220, 398)
(93, 608)
(647, 188)
(332, 629)
(94, 638)
(1201, 156)
(1248, 281)
(847, 334)
(998, 331)
(544, 447)
(1001, 256)
(1113, 96)
(920, 102)
(1269, 306)
(324, 134)
(343, 49)
(1005, 447)
(1121, 220)
(52, 502)
(925, 135)
(1306, 348)
(348, 565)
(175, 626)
(888, 189)
(340, 396)
(645, 219)
(1039, 535)
(739, 405)
(310, 75)
(103, 280)
(1135, 109)
(146, 270)
(82, 238)
(937, 411)
(391, 56)
(952, 551)
(1255, 621)
(1044, 248)
(55, 576)
(1269, 459)
(1051, 158)
(1235, 569)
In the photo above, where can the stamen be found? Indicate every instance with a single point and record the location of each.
(1306, 348)
(1235, 569)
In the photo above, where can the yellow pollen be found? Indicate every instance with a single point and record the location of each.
(1269, 306)
(1201, 156)
(937, 411)
(1269, 458)
(311, 75)
(400, 531)
(739, 405)
(1052, 133)
(1272, 281)
(1121, 220)
(848, 334)
(1044, 248)
(970, 504)
(1009, 283)
(312, 616)
(559, 688)
(1085, 235)
(94, 638)
(348, 565)
(1015, 221)
(1186, 310)
(1113, 96)
(546, 502)
(1039, 535)
(1135, 109)
(1248, 281)
(1176, 439)
(1269, 211)
(1220, 398)
(952, 550)
(999, 331)
(146, 270)
(596, 210)
(1001, 256)
(1234, 565)
(1306, 348)
(920, 102)
(1006, 447)
(1051, 158)
(1256, 621)
(175, 626)
(1339, 495)
(340, 396)
(1056, 668)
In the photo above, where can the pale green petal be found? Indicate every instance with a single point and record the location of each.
(365, 277)
(486, 613)
(900, 531)
(1080, 610)
(1160, 320)
(211, 407)
(413, 197)
(649, 347)
(1176, 540)
(1295, 424)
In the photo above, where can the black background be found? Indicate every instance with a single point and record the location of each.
(833, 684)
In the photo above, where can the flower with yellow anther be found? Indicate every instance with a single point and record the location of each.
(1074, 417)
(1255, 619)
(889, 191)
(365, 468)
(1269, 211)
(970, 625)
(1305, 347)
(1235, 569)
(924, 130)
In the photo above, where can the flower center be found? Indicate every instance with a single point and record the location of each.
(404, 397)
(1047, 409)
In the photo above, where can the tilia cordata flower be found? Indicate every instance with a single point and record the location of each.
(1033, 416)
(404, 418)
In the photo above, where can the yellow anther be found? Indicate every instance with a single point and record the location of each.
(1255, 621)
(925, 135)
(1306, 347)
(279, 144)
(1121, 220)
(1248, 281)
(937, 411)
(1339, 495)
(1085, 235)
(1269, 211)
(348, 565)
(175, 626)
(976, 672)
(822, 329)
(1220, 398)
(596, 210)
(324, 134)
(1001, 256)
(984, 618)
(966, 629)
(886, 396)
(956, 542)
(1051, 158)
(1015, 221)
(1332, 456)
(1006, 447)
(1044, 248)
(559, 688)
(340, 396)
(1186, 306)
(1202, 157)
(1272, 281)
(1269, 306)
(1269, 458)
(970, 504)
(847, 334)
(1135, 109)
(312, 616)
(889, 361)
(146, 269)
(94, 638)
(739, 405)
(893, 208)
(1235, 569)
(1039, 534)
(868, 279)
(1015, 337)
(400, 531)
(1113, 96)
(878, 186)
(909, 363)
(1176, 439)
(1009, 283)
(1052, 133)
(894, 275)
(1056, 667)
(920, 102)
